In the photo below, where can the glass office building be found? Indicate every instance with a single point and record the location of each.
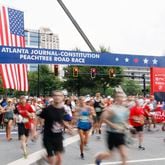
(42, 38)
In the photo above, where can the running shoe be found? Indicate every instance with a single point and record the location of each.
(97, 162)
(82, 156)
(141, 148)
(25, 155)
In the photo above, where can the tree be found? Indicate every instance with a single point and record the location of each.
(47, 81)
(131, 87)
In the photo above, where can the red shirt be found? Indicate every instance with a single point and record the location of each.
(23, 111)
(146, 109)
(136, 113)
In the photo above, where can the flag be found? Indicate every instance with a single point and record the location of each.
(14, 76)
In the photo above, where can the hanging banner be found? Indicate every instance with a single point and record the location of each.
(18, 55)
(157, 76)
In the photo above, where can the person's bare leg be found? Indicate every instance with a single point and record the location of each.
(86, 137)
(81, 143)
(123, 154)
(58, 159)
(9, 129)
(23, 145)
(51, 160)
(103, 156)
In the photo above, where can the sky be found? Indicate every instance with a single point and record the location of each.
(122, 26)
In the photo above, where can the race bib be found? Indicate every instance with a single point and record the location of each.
(98, 109)
(84, 118)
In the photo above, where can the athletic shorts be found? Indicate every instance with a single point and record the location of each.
(53, 145)
(85, 126)
(98, 115)
(114, 140)
(139, 128)
(22, 130)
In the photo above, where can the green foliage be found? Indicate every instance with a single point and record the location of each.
(131, 87)
(47, 81)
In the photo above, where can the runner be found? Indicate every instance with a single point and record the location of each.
(84, 124)
(53, 128)
(137, 120)
(147, 115)
(25, 121)
(115, 117)
(9, 117)
(98, 105)
(68, 112)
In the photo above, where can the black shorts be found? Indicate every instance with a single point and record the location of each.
(22, 130)
(53, 144)
(98, 115)
(139, 128)
(114, 140)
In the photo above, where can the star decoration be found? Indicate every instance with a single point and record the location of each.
(145, 61)
(126, 59)
(116, 59)
(155, 61)
(136, 60)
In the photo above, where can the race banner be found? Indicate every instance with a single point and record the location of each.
(157, 76)
(19, 55)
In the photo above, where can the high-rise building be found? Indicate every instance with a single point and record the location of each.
(48, 39)
(138, 71)
(41, 38)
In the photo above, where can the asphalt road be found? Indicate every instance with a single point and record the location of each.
(154, 154)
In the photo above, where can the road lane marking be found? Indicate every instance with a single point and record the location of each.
(4, 133)
(32, 158)
(132, 161)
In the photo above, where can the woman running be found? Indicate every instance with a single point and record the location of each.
(84, 123)
(8, 118)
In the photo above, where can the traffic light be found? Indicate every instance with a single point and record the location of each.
(75, 71)
(56, 72)
(111, 72)
(93, 72)
(66, 73)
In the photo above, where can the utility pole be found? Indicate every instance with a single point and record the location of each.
(144, 84)
(77, 26)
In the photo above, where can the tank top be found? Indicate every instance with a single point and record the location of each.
(120, 117)
(84, 115)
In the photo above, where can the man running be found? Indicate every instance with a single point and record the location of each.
(98, 106)
(53, 116)
(115, 117)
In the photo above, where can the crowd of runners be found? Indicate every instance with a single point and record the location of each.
(58, 114)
